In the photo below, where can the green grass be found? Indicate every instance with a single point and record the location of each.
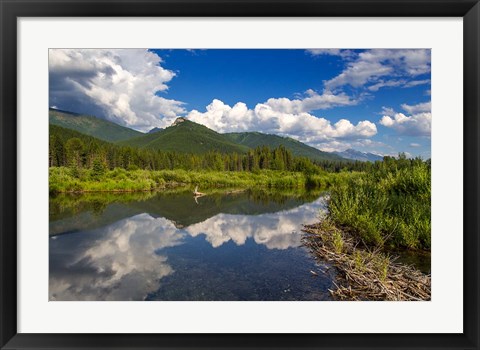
(389, 206)
(63, 179)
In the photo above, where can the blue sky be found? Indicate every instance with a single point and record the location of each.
(370, 100)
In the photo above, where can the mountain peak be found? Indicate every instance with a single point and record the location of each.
(155, 129)
(178, 121)
(358, 155)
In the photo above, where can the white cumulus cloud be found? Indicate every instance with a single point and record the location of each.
(120, 84)
(313, 101)
(419, 124)
(301, 126)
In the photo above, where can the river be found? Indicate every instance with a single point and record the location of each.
(171, 246)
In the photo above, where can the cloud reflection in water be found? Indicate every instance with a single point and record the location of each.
(127, 261)
(275, 230)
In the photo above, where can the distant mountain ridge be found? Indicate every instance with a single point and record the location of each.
(357, 155)
(183, 136)
(154, 130)
(298, 149)
(90, 125)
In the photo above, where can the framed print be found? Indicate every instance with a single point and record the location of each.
(216, 174)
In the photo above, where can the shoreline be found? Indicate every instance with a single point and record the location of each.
(364, 273)
(67, 180)
(158, 189)
(155, 189)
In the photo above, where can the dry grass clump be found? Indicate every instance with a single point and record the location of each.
(364, 274)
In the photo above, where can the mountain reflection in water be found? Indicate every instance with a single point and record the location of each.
(227, 247)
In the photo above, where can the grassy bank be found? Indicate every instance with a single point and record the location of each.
(371, 214)
(65, 180)
(387, 206)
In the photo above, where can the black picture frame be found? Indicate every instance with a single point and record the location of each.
(11, 10)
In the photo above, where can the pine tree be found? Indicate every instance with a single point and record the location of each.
(74, 149)
(98, 168)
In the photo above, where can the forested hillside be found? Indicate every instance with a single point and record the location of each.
(71, 148)
(90, 125)
(187, 137)
(299, 149)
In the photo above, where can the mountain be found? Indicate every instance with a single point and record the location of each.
(357, 155)
(65, 134)
(298, 149)
(89, 125)
(154, 130)
(186, 136)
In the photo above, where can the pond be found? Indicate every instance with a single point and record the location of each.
(171, 246)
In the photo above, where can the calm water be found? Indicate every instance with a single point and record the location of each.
(169, 246)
